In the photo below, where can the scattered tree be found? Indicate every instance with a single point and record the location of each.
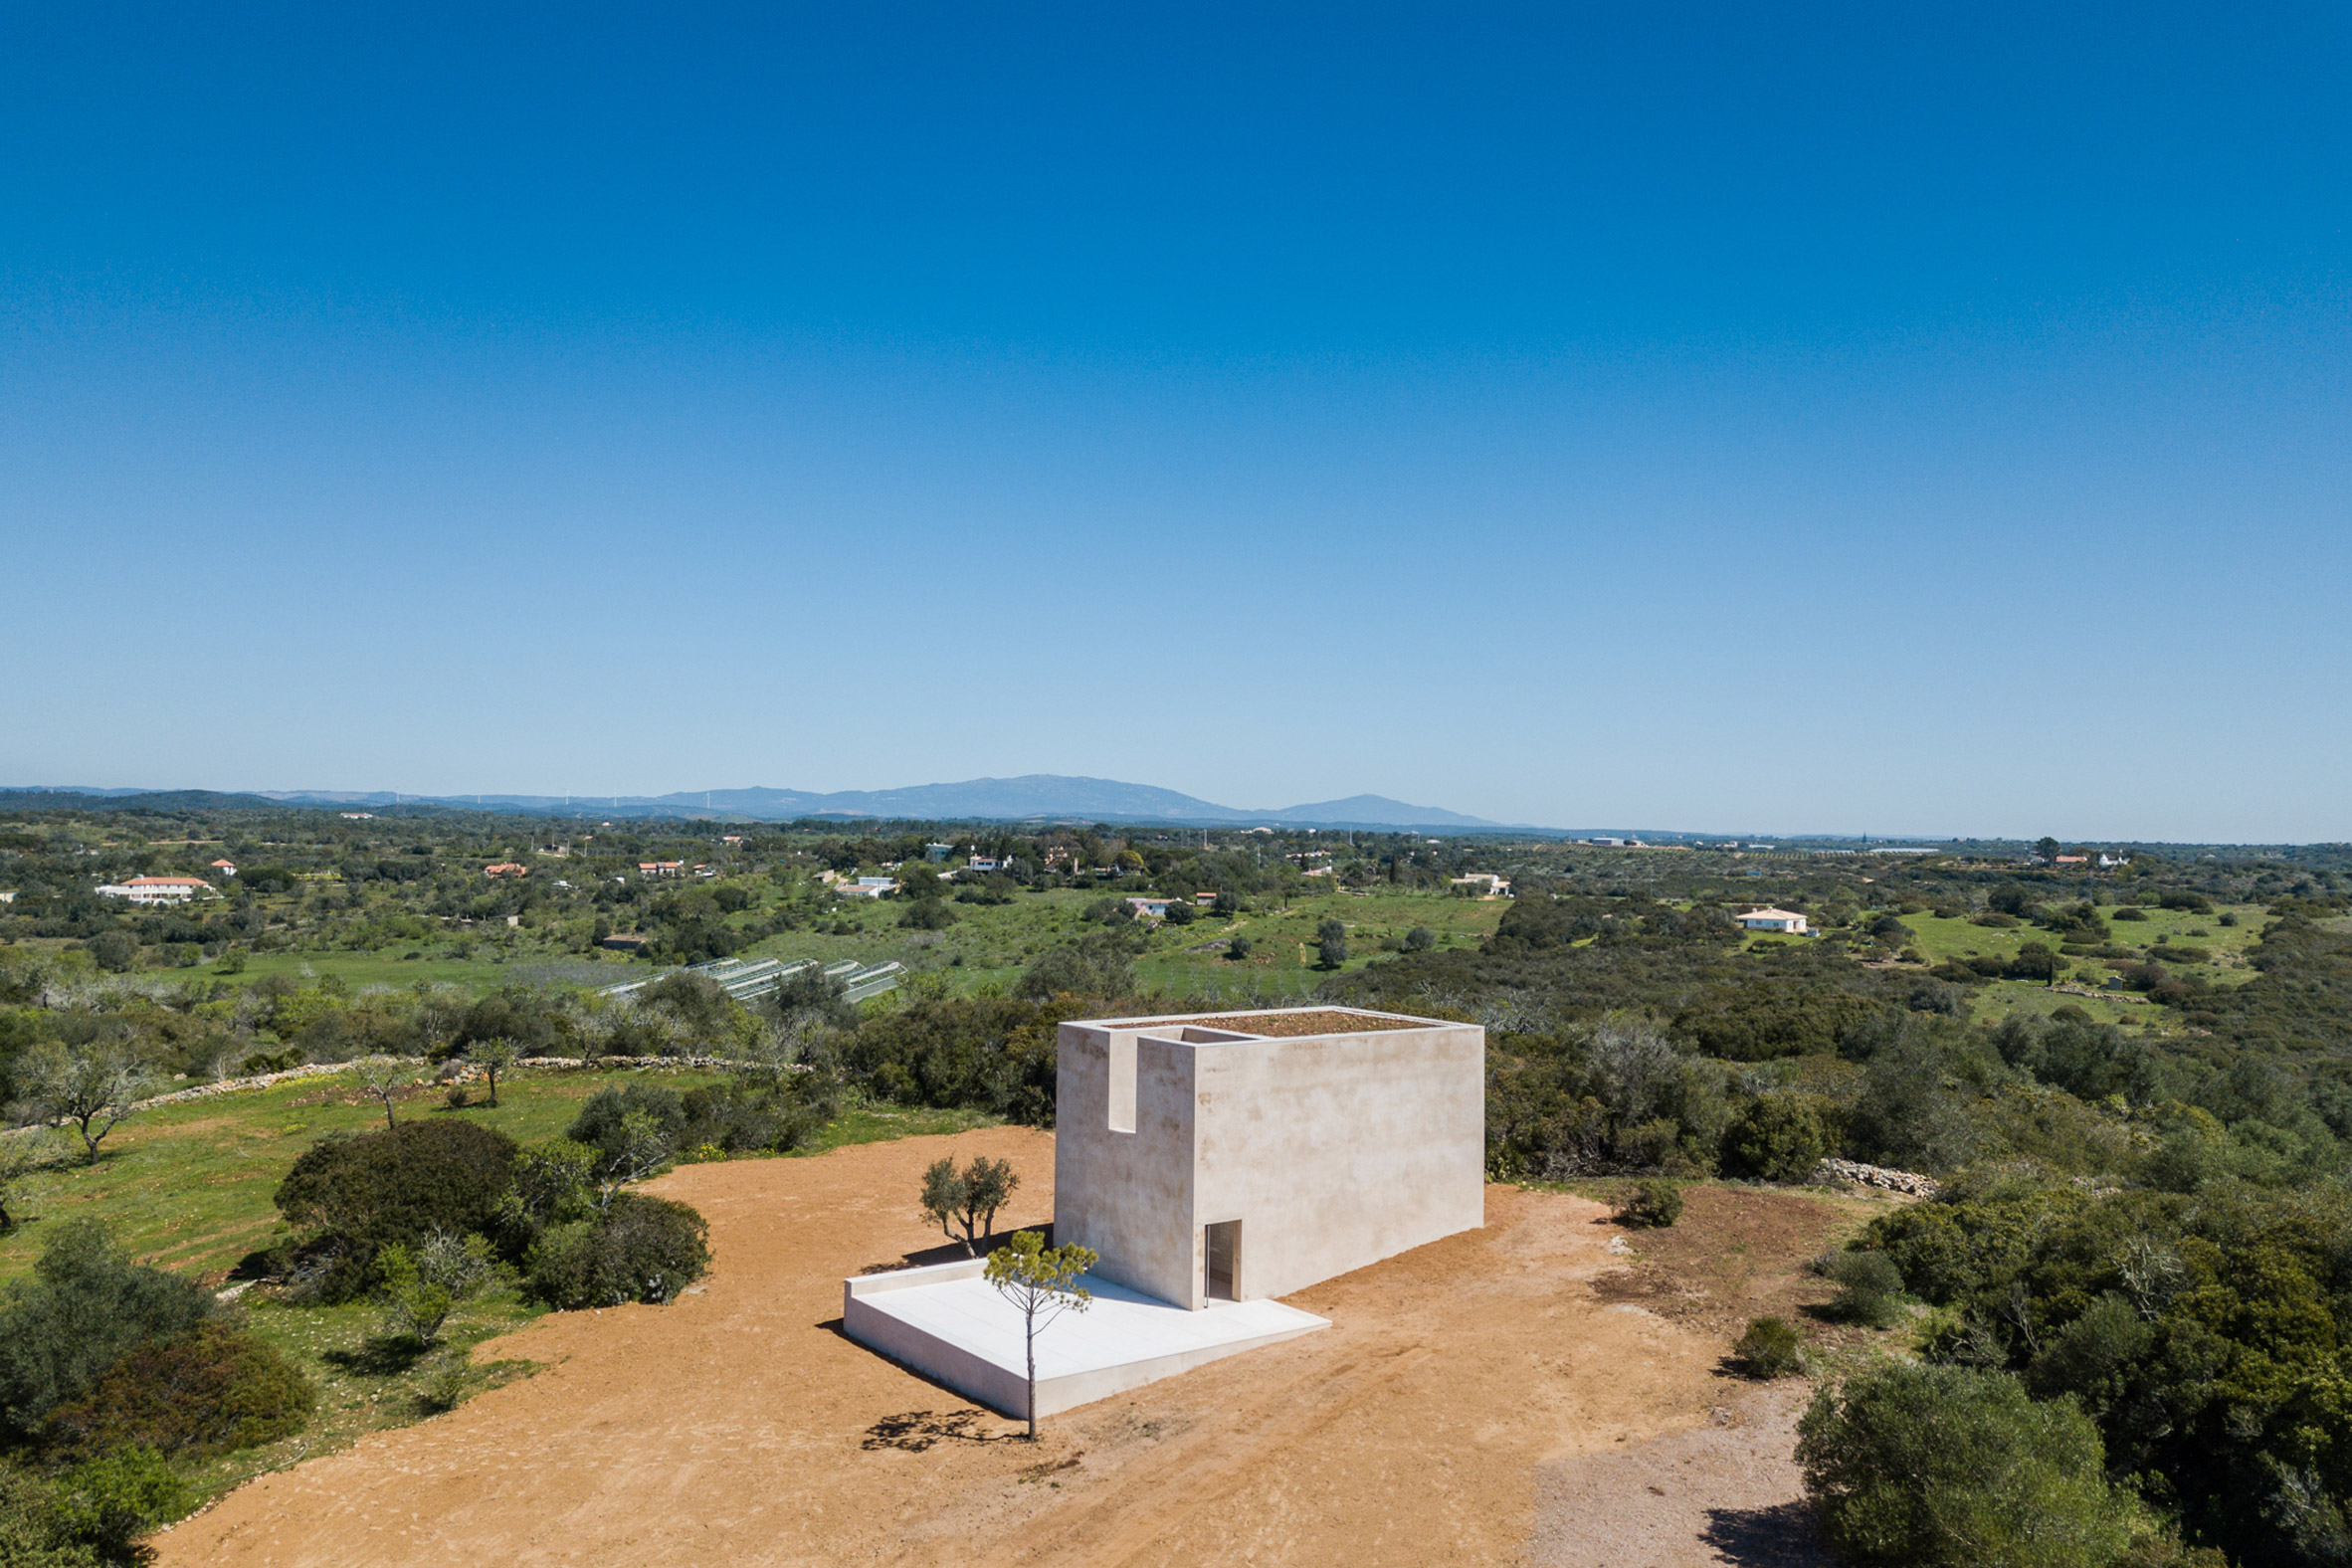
(2047, 848)
(494, 1055)
(1331, 945)
(381, 1078)
(1238, 949)
(969, 1198)
(96, 1086)
(1419, 940)
(1042, 1283)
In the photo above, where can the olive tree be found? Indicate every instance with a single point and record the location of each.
(969, 1198)
(95, 1087)
(493, 1057)
(380, 1077)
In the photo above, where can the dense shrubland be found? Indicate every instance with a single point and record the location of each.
(2132, 1292)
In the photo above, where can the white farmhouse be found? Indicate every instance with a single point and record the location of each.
(157, 889)
(1783, 920)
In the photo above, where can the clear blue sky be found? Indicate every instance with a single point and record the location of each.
(1881, 419)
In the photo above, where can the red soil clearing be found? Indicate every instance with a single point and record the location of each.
(738, 1427)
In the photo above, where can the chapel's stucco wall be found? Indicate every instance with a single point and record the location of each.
(1127, 1195)
(1334, 1151)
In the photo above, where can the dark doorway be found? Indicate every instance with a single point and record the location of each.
(1224, 1250)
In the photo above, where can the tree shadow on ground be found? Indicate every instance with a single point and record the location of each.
(388, 1355)
(919, 1430)
(953, 1251)
(1781, 1536)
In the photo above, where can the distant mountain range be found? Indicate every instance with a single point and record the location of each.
(1032, 796)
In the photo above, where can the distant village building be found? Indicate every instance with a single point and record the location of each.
(357, 816)
(507, 869)
(1484, 884)
(1784, 920)
(1156, 909)
(2073, 859)
(2110, 861)
(224, 868)
(1606, 843)
(157, 889)
(868, 888)
(985, 863)
(1205, 899)
(661, 868)
(937, 852)
(630, 943)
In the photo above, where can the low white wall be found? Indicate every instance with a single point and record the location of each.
(1005, 1390)
(1000, 1390)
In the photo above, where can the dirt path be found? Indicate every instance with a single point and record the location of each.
(1722, 1494)
(738, 1427)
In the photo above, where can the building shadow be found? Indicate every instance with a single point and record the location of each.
(1781, 1536)
(953, 1251)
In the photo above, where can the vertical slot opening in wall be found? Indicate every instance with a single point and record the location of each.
(1122, 1082)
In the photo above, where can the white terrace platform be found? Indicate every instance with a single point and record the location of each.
(949, 1323)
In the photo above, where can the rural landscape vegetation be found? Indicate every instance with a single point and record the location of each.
(2032, 1157)
(1516, 786)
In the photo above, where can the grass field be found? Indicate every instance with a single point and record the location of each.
(188, 1187)
(388, 967)
(989, 944)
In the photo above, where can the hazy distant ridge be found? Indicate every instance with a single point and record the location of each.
(1034, 795)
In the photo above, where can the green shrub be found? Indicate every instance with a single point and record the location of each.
(110, 1503)
(639, 1250)
(745, 1117)
(1779, 1137)
(1940, 1466)
(600, 1122)
(212, 1390)
(552, 1185)
(927, 914)
(1869, 1286)
(1656, 1203)
(423, 1284)
(33, 1533)
(87, 1306)
(1771, 1347)
(360, 1195)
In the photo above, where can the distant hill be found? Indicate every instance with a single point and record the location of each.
(72, 798)
(1032, 797)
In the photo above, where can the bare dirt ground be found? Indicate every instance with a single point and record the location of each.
(1459, 1385)
(1722, 1494)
